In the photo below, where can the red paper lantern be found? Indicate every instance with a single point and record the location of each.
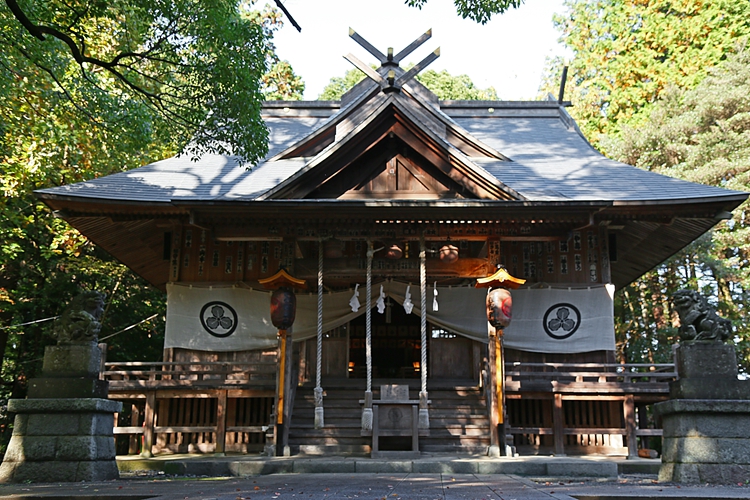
(283, 308)
(499, 307)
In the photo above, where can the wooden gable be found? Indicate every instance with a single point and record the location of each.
(392, 147)
(400, 177)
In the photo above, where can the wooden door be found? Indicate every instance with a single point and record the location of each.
(335, 360)
(451, 357)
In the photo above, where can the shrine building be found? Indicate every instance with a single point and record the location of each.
(396, 199)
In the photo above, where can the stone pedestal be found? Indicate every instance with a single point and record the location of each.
(706, 421)
(63, 431)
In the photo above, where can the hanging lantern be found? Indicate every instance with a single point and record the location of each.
(283, 308)
(283, 300)
(499, 307)
(499, 302)
(448, 253)
(394, 250)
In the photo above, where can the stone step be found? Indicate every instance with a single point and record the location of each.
(333, 450)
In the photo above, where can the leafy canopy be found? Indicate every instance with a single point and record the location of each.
(187, 70)
(63, 122)
(480, 11)
(701, 135)
(627, 52)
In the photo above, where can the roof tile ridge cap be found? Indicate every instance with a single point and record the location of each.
(460, 156)
(325, 152)
(458, 129)
(332, 120)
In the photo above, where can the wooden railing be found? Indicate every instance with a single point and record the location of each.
(600, 372)
(559, 394)
(193, 406)
(563, 395)
(124, 375)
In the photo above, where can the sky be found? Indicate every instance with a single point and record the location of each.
(508, 53)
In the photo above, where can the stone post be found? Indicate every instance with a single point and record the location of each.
(707, 418)
(63, 431)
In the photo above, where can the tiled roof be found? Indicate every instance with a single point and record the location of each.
(550, 161)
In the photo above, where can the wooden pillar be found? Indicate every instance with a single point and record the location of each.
(288, 394)
(221, 422)
(628, 406)
(135, 416)
(148, 425)
(641, 422)
(282, 382)
(492, 393)
(500, 388)
(558, 425)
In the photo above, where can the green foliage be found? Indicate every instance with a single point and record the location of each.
(340, 85)
(62, 122)
(182, 71)
(480, 11)
(443, 84)
(460, 87)
(701, 135)
(627, 52)
(279, 82)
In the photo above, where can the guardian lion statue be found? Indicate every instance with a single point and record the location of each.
(698, 319)
(80, 320)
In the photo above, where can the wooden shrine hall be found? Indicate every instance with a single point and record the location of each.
(377, 215)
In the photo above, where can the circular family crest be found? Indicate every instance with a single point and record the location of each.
(219, 319)
(561, 321)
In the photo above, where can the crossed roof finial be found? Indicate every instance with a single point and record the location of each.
(389, 63)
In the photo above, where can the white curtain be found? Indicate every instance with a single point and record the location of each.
(461, 311)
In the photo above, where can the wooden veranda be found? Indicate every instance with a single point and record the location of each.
(226, 407)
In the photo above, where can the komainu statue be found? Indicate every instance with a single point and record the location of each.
(80, 320)
(698, 319)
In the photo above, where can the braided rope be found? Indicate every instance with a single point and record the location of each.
(320, 316)
(367, 409)
(318, 392)
(423, 312)
(424, 413)
(368, 318)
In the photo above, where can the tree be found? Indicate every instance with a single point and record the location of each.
(460, 87)
(480, 11)
(189, 70)
(626, 52)
(700, 135)
(443, 84)
(62, 122)
(280, 82)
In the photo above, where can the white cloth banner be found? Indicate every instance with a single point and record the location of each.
(235, 318)
(562, 320)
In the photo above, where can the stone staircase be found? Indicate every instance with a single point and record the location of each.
(459, 423)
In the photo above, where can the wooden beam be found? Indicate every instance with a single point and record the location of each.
(148, 425)
(367, 46)
(221, 423)
(628, 407)
(364, 68)
(558, 425)
(351, 267)
(412, 46)
(492, 392)
(417, 68)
